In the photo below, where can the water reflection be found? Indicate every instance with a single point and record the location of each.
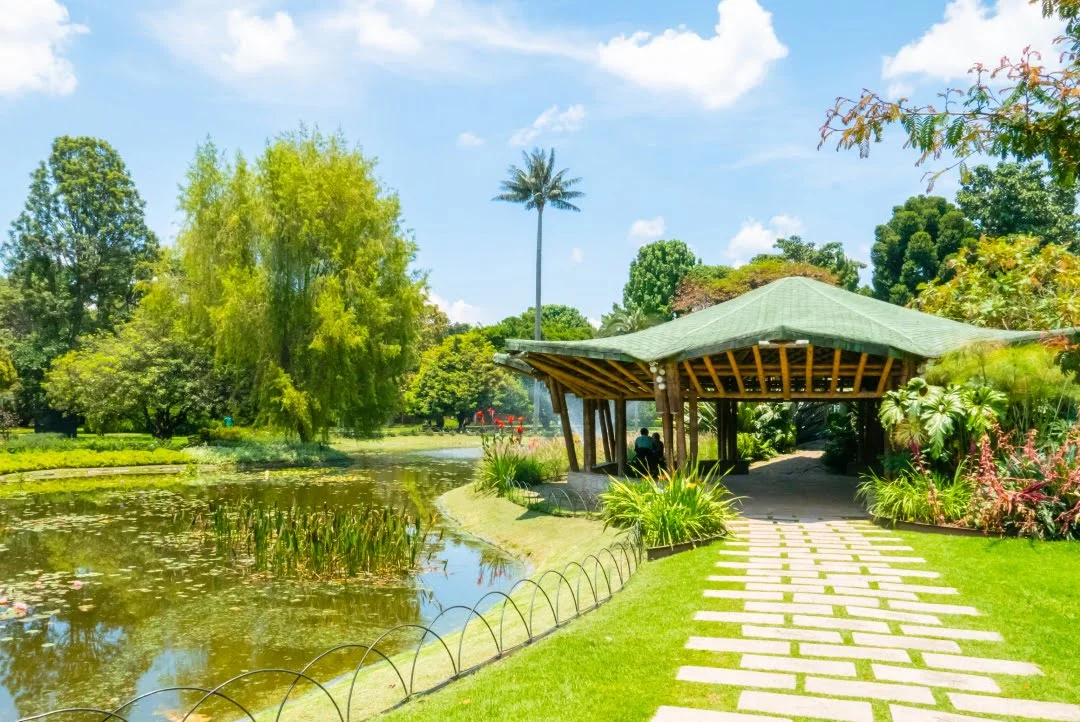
(119, 600)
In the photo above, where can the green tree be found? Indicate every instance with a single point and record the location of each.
(458, 377)
(1012, 199)
(72, 256)
(298, 270)
(706, 286)
(149, 373)
(627, 320)
(558, 323)
(910, 250)
(830, 256)
(655, 274)
(1024, 109)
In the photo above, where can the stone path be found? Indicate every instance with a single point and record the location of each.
(837, 620)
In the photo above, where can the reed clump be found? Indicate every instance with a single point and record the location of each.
(317, 543)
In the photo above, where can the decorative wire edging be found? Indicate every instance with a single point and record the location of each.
(556, 499)
(617, 562)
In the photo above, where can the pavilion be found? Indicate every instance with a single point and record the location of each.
(793, 339)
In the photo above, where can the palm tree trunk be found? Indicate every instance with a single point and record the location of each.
(537, 333)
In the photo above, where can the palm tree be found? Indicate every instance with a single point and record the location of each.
(536, 186)
(627, 320)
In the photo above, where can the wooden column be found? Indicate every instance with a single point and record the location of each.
(558, 405)
(691, 397)
(589, 433)
(620, 435)
(727, 428)
(663, 407)
(675, 407)
(605, 430)
(733, 430)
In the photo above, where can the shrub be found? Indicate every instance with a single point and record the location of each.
(917, 495)
(841, 441)
(679, 507)
(37, 443)
(508, 461)
(752, 448)
(85, 458)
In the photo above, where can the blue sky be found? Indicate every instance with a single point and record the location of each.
(687, 119)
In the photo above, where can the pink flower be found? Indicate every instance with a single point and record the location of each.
(76, 584)
(20, 609)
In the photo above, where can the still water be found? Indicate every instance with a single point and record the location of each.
(108, 595)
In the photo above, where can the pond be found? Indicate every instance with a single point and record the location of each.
(120, 598)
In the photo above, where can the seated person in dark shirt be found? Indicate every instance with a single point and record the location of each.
(658, 452)
(645, 453)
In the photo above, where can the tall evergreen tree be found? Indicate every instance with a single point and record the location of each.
(72, 257)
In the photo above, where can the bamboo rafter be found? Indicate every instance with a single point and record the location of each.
(859, 374)
(835, 371)
(810, 368)
(760, 371)
(735, 370)
(785, 377)
(712, 373)
(693, 377)
(884, 380)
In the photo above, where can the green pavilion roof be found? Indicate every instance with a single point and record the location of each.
(790, 309)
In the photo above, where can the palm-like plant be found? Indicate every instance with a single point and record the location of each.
(627, 320)
(536, 186)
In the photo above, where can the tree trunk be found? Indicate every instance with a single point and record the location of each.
(537, 332)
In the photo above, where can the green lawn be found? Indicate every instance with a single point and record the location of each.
(620, 662)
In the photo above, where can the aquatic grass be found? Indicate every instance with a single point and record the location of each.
(507, 462)
(678, 507)
(316, 543)
(268, 451)
(39, 443)
(86, 458)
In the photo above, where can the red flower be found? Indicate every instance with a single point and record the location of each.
(499, 423)
(520, 430)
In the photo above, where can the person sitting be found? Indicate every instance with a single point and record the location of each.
(658, 453)
(645, 452)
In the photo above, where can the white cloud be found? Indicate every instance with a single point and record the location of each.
(258, 43)
(755, 237)
(33, 36)
(552, 120)
(577, 255)
(716, 71)
(376, 29)
(469, 139)
(973, 31)
(647, 229)
(458, 311)
(787, 152)
(594, 322)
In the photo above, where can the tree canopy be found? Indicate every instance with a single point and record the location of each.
(558, 323)
(910, 249)
(298, 270)
(627, 320)
(706, 286)
(73, 257)
(458, 377)
(830, 256)
(1012, 199)
(655, 274)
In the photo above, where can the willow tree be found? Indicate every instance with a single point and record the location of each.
(298, 270)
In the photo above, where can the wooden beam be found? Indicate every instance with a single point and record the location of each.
(785, 375)
(884, 380)
(735, 370)
(835, 371)
(601, 379)
(760, 371)
(693, 376)
(859, 374)
(614, 381)
(712, 373)
(578, 385)
(625, 372)
(620, 436)
(810, 369)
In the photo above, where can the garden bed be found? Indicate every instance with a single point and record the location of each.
(654, 553)
(932, 528)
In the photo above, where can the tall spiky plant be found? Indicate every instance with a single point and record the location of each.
(535, 186)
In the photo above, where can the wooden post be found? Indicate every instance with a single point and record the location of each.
(605, 430)
(589, 433)
(620, 436)
(663, 408)
(691, 397)
(558, 405)
(676, 405)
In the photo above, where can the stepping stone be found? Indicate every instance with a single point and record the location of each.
(890, 560)
(742, 579)
(726, 644)
(852, 578)
(893, 616)
(748, 565)
(825, 567)
(951, 633)
(846, 651)
(736, 677)
(980, 664)
(797, 705)
(793, 587)
(746, 552)
(798, 635)
(688, 714)
(914, 714)
(819, 556)
(837, 599)
(860, 625)
(873, 690)
(903, 572)
(878, 593)
(789, 608)
(740, 618)
(899, 642)
(799, 666)
(740, 594)
(1029, 708)
(783, 573)
(935, 608)
(918, 588)
(953, 680)
(890, 548)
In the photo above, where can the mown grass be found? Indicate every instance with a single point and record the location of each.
(86, 458)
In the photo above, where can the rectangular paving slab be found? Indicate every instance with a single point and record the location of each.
(980, 664)
(728, 644)
(836, 710)
(797, 635)
(922, 574)
(739, 617)
(788, 608)
(736, 677)
(871, 690)
(930, 678)
(1029, 708)
(951, 633)
(893, 616)
(861, 625)
(741, 594)
(897, 641)
(794, 664)
(780, 587)
(919, 588)
(849, 651)
(688, 714)
(837, 599)
(900, 713)
(876, 593)
(935, 608)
